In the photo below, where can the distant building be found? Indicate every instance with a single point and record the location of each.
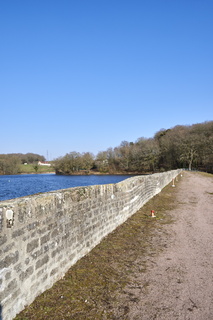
(44, 163)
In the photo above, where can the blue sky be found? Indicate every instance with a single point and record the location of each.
(85, 75)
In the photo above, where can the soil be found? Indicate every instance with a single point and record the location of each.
(180, 279)
(148, 268)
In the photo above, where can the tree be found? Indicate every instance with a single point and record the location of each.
(36, 168)
(87, 161)
(9, 164)
(73, 162)
(122, 155)
(180, 146)
(147, 154)
(101, 162)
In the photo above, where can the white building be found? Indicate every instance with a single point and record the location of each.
(44, 163)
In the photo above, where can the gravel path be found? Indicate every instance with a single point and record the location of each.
(179, 281)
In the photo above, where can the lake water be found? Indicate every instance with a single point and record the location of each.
(14, 186)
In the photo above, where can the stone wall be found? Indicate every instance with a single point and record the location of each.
(43, 235)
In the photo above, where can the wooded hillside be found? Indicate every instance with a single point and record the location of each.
(179, 147)
(10, 163)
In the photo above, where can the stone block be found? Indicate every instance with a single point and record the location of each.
(32, 226)
(55, 252)
(10, 259)
(26, 274)
(32, 245)
(36, 254)
(1, 219)
(10, 288)
(3, 239)
(56, 232)
(42, 261)
(54, 271)
(18, 233)
(45, 239)
(8, 275)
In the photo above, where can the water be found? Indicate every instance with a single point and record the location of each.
(14, 186)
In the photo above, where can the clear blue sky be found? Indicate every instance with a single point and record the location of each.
(85, 75)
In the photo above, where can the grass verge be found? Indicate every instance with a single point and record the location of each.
(93, 287)
(34, 168)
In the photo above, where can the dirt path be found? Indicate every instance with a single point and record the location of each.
(148, 268)
(179, 281)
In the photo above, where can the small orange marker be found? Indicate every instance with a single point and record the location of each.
(153, 214)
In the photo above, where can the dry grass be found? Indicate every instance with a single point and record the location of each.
(93, 287)
(206, 174)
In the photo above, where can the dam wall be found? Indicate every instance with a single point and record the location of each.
(43, 235)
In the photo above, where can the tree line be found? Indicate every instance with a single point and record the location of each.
(10, 163)
(178, 147)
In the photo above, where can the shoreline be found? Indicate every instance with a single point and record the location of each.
(83, 174)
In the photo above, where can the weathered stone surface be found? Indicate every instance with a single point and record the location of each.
(1, 219)
(32, 245)
(45, 238)
(8, 275)
(53, 230)
(12, 286)
(11, 258)
(56, 251)
(42, 261)
(24, 275)
(3, 239)
(18, 233)
(9, 247)
(33, 225)
(54, 271)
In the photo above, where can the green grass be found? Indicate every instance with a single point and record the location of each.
(30, 168)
